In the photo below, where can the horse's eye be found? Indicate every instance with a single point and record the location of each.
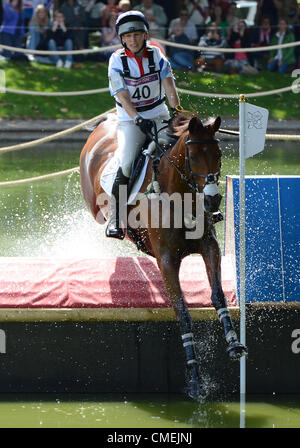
(194, 158)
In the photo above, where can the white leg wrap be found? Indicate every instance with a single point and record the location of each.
(231, 336)
(223, 312)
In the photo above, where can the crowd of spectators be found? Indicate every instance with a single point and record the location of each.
(79, 24)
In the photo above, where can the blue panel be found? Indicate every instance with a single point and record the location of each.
(264, 280)
(289, 189)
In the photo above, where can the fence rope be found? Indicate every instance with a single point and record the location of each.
(37, 178)
(236, 95)
(74, 93)
(290, 137)
(184, 91)
(160, 41)
(55, 136)
(61, 52)
(228, 50)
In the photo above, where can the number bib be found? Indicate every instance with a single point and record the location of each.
(145, 92)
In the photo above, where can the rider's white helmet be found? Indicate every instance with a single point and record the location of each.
(131, 21)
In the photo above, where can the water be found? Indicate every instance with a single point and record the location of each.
(147, 411)
(49, 218)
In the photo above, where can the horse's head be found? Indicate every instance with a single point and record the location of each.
(203, 160)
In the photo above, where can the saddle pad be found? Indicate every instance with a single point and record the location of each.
(110, 171)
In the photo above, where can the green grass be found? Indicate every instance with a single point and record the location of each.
(89, 75)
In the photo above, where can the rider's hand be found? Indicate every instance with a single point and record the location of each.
(144, 124)
(176, 110)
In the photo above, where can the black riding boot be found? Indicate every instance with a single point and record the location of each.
(114, 229)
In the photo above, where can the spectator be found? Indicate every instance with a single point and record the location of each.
(239, 38)
(1, 12)
(231, 19)
(110, 36)
(28, 8)
(282, 59)
(211, 60)
(224, 5)
(48, 5)
(180, 58)
(38, 31)
(87, 6)
(60, 38)
(124, 6)
(286, 9)
(189, 28)
(12, 28)
(261, 37)
(156, 17)
(107, 10)
(74, 17)
(95, 16)
(296, 30)
(218, 18)
(198, 11)
(267, 8)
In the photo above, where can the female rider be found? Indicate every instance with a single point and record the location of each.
(139, 78)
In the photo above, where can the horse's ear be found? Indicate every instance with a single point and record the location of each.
(195, 124)
(216, 124)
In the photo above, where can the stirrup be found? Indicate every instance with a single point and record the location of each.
(113, 231)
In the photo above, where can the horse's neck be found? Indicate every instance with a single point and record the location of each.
(171, 176)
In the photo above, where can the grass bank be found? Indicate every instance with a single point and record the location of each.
(89, 75)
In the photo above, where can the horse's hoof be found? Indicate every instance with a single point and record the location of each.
(236, 350)
(195, 384)
(194, 389)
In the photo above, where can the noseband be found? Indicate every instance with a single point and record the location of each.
(210, 178)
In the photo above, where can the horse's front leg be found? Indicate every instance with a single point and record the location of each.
(212, 258)
(169, 267)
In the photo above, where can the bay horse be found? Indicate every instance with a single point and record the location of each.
(191, 165)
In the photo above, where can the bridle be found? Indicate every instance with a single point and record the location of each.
(210, 178)
(189, 177)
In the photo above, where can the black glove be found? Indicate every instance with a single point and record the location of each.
(144, 124)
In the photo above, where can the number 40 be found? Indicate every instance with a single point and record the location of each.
(143, 92)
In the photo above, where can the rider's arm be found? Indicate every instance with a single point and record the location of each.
(124, 98)
(171, 92)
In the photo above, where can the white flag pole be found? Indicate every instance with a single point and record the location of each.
(242, 146)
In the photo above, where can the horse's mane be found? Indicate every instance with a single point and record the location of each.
(180, 123)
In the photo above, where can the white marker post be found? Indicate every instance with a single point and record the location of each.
(253, 126)
(242, 145)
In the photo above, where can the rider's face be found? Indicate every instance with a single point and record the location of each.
(134, 41)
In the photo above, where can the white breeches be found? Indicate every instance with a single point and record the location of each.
(131, 140)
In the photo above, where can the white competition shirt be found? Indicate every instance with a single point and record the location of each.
(144, 88)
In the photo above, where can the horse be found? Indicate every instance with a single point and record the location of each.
(190, 164)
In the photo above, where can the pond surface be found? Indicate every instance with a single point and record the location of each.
(148, 411)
